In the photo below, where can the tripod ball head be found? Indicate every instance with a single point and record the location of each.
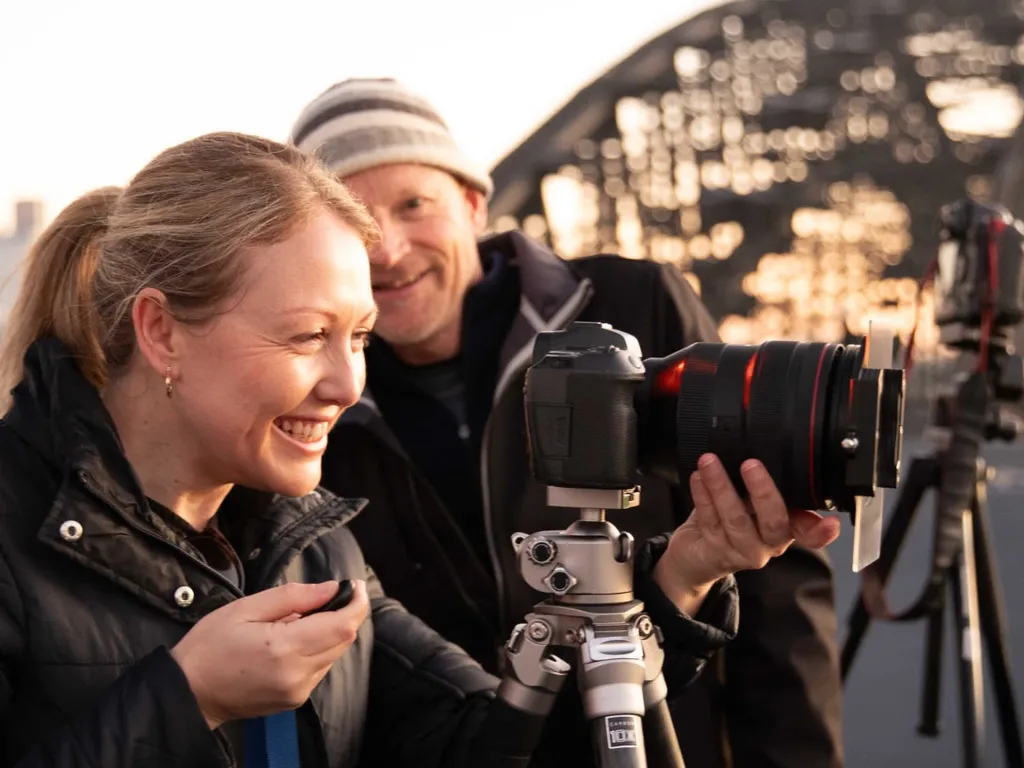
(590, 561)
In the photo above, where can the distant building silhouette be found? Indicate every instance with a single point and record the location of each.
(28, 223)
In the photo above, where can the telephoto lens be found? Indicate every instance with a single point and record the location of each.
(827, 428)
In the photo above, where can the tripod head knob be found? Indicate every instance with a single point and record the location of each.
(591, 561)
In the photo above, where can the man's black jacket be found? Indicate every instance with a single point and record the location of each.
(86, 620)
(781, 705)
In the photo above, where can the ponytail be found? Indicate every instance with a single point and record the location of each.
(56, 296)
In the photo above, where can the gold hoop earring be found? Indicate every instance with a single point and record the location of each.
(167, 381)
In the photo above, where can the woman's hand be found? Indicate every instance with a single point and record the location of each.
(260, 655)
(725, 534)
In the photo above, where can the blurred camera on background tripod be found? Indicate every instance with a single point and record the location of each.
(979, 301)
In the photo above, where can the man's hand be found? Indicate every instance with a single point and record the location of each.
(725, 534)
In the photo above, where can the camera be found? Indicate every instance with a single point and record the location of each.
(979, 279)
(825, 419)
(979, 302)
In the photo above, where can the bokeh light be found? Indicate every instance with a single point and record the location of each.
(790, 156)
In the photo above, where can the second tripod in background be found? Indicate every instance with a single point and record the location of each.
(978, 305)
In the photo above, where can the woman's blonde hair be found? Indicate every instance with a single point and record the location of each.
(180, 226)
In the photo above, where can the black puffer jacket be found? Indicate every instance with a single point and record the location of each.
(86, 621)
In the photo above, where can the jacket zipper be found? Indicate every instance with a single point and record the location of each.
(569, 312)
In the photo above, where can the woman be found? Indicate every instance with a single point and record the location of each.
(178, 355)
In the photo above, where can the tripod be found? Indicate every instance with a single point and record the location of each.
(588, 571)
(964, 562)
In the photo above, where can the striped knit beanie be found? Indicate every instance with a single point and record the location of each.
(366, 122)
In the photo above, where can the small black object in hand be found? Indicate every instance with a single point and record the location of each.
(339, 601)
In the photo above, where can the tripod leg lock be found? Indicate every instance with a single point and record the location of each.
(621, 670)
(655, 687)
(533, 675)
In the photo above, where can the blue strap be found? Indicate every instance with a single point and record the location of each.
(272, 741)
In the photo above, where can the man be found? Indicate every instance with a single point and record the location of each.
(439, 442)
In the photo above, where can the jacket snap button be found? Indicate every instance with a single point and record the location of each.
(184, 596)
(71, 530)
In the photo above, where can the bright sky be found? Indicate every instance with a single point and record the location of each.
(90, 90)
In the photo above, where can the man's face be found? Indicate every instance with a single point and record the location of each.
(427, 258)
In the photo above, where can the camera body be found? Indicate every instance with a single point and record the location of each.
(980, 276)
(580, 412)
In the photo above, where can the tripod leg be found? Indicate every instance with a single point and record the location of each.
(659, 731)
(921, 476)
(993, 631)
(619, 740)
(621, 681)
(533, 679)
(611, 684)
(613, 700)
(929, 723)
(965, 609)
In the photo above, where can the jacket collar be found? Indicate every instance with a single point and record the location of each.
(553, 294)
(62, 416)
(547, 282)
